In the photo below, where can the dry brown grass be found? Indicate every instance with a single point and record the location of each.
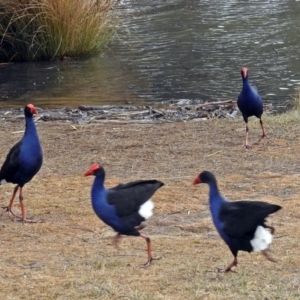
(70, 255)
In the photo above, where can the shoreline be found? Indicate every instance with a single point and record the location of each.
(120, 113)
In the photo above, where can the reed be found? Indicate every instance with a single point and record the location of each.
(47, 29)
(296, 99)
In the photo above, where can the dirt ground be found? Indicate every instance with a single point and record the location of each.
(70, 256)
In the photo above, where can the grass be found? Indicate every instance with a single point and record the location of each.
(291, 116)
(47, 29)
(70, 255)
(296, 100)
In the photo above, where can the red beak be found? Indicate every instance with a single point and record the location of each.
(32, 109)
(244, 72)
(91, 170)
(196, 180)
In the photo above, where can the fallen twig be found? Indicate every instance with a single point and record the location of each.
(214, 103)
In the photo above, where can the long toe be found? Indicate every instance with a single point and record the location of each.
(10, 213)
(247, 147)
(19, 218)
(32, 221)
(233, 264)
(6, 208)
(147, 264)
(265, 136)
(149, 261)
(229, 270)
(269, 139)
(222, 270)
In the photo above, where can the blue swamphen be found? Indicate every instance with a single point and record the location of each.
(240, 224)
(23, 161)
(250, 104)
(125, 206)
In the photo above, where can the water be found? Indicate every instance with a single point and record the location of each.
(173, 50)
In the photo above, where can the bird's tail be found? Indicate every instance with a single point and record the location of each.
(2, 181)
(262, 239)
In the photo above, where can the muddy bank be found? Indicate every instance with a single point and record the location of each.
(172, 113)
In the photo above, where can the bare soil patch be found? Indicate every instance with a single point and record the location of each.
(70, 256)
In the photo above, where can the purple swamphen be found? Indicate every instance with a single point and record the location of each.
(125, 206)
(23, 161)
(250, 104)
(241, 224)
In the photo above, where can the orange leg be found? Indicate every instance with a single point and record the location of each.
(267, 255)
(150, 258)
(233, 264)
(9, 207)
(266, 252)
(247, 146)
(264, 134)
(142, 226)
(262, 128)
(272, 229)
(116, 240)
(21, 198)
(24, 220)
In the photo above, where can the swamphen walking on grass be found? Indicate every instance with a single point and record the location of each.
(240, 224)
(23, 161)
(125, 206)
(250, 104)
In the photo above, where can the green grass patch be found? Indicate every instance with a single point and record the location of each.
(47, 29)
(292, 115)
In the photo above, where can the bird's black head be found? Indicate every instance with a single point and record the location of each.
(95, 170)
(244, 72)
(204, 177)
(30, 110)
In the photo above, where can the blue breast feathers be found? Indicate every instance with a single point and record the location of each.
(249, 101)
(106, 212)
(31, 156)
(215, 203)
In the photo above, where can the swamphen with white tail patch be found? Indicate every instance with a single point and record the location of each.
(240, 224)
(250, 104)
(23, 161)
(125, 206)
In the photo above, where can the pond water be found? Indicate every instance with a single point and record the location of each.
(172, 50)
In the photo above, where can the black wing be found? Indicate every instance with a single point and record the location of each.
(11, 164)
(127, 198)
(242, 217)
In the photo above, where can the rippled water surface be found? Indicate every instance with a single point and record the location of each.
(173, 50)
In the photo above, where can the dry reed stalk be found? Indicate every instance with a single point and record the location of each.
(46, 29)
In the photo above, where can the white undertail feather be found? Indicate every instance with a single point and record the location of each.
(146, 210)
(3, 181)
(261, 240)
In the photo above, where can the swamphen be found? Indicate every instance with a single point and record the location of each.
(23, 161)
(250, 104)
(240, 224)
(125, 206)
